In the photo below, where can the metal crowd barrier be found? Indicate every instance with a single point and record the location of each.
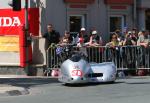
(124, 57)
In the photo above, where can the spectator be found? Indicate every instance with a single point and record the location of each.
(64, 48)
(144, 50)
(143, 39)
(135, 33)
(82, 47)
(119, 35)
(66, 39)
(51, 36)
(114, 51)
(129, 52)
(94, 50)
(130, 39)
(139, 33)
(81, 34)
(95, 40)
(113, 41)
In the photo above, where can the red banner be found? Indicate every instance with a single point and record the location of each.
(10, 21)
(79, 1)
(119, 1)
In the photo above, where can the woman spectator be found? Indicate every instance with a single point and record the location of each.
(113, 41)
(114, 51)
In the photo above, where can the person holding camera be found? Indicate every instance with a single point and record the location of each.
(129, 39)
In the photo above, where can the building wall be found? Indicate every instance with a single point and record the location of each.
(53, 12)
(144, 3)
(98, 18)
(142, 6)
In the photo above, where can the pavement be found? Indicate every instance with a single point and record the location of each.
(9, 86)
(10, 90)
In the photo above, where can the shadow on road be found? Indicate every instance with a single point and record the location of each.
(27, 82)
(139, 83)
(89, 84)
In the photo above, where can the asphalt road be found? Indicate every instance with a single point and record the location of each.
(47, 90)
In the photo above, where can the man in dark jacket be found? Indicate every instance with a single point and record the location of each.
(51, 36)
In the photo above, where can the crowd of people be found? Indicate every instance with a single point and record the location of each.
(52, 36)
(94, 39)
(132, 37)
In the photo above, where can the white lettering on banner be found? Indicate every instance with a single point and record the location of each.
(16, 21)
(9, 21)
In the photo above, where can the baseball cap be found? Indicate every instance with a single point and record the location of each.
(94, 32)
(82, 29)
(129, 32)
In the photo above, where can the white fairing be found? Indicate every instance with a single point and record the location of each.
(83, 72)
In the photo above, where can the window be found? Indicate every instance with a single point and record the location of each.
(116, 22)
(76, 22)
(147, 19)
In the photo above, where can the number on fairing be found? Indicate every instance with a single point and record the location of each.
(76, 73)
